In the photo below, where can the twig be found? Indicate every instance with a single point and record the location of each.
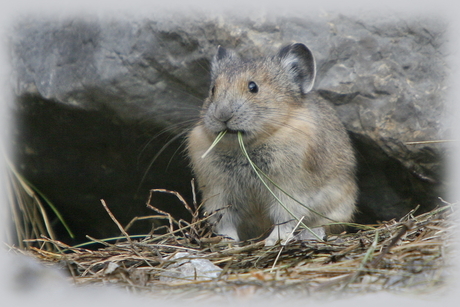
(404, 229)
(350, 278)
(116, 222)
(428, 142)
(182, 200)
(283, 244)
(192, 183)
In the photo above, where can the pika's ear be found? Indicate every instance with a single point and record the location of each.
(299, 62)
(223, 56)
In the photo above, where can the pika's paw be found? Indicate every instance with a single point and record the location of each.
(316, 234)
(312, 234)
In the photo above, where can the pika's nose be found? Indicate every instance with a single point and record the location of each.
(223, 113)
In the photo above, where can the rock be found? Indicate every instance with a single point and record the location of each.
(90, 92)
(189, 267)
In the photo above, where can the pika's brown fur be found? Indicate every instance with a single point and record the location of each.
(295, 139)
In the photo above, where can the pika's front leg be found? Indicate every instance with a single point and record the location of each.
(229, 233)
(279, 232)
(226, 227)
(283, 232)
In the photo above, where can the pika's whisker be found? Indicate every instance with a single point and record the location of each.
(157, 155)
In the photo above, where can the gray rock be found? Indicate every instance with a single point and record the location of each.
(187, 267)
(386, 77)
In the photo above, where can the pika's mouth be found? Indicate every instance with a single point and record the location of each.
(233, 134)
(234, 131)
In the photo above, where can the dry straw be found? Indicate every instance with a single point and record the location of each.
(406, 255)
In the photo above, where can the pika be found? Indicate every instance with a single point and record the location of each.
(294, 138)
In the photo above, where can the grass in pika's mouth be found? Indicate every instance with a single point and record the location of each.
(217, 140)
(259, 174)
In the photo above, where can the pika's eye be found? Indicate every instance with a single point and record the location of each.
(213, 89)
(253, 88)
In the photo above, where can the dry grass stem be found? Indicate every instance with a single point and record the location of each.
(406, 255)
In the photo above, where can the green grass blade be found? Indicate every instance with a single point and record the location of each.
(217, 140)
(31, 189)
(294, 199)
(359, 226)
(255, 168)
